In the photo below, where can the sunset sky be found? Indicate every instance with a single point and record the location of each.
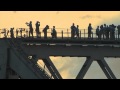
(60, 19)
(64, 19)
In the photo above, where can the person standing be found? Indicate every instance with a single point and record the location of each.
(73, 28)
(37, 28)
(45, 31)
(77, 31)
(89, 30)
(30, 28)
(12, 32)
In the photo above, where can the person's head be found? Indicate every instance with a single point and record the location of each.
(113, 26)
(53, 26)
(47, 26)
(12, 28)
(73, 24)
(89, 24)
(77, 26)
(30, 21)
(38, 22)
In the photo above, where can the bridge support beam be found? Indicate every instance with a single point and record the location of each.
(103, 64)
(84, 68)
(51, 67)
(106, 69)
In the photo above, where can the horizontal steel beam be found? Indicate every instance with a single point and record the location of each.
(73, 51)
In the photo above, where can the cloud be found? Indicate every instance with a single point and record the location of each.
(57, 12)
(90, 16)
(70, 66)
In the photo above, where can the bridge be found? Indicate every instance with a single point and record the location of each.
(19, 55)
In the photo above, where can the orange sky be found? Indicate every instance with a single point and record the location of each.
(61, 19)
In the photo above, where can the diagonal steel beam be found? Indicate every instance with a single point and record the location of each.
(51, 67)
(104, 69)
(107, 69)
(84, 68)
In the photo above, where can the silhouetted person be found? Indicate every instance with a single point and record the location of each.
(4, 31)
(30, 28)
(54, 33)
(118, 27)
(12, 32)
(101, 31)
(104, 31)
(21, 32)
(73, 30)
(17, 33)
(107, 32)
(37, 28)
(112, 31)
(77, 31)
(7, 33)
(45, 31)
(89, 30)
(97, 31)
(26, 32)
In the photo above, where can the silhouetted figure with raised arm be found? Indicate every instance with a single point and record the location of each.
(89, 30)
(30, 28)
(12, 32)
(54, 33)
(73, 29)
(37, 28)
(45, 31)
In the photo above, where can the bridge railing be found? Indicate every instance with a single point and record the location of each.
(61, 33)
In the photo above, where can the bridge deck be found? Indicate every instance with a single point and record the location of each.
(75, 41)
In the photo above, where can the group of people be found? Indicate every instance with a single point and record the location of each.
(74, 31)
(29, 33)
(54, 33)
(107, 31)
(102, 31)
